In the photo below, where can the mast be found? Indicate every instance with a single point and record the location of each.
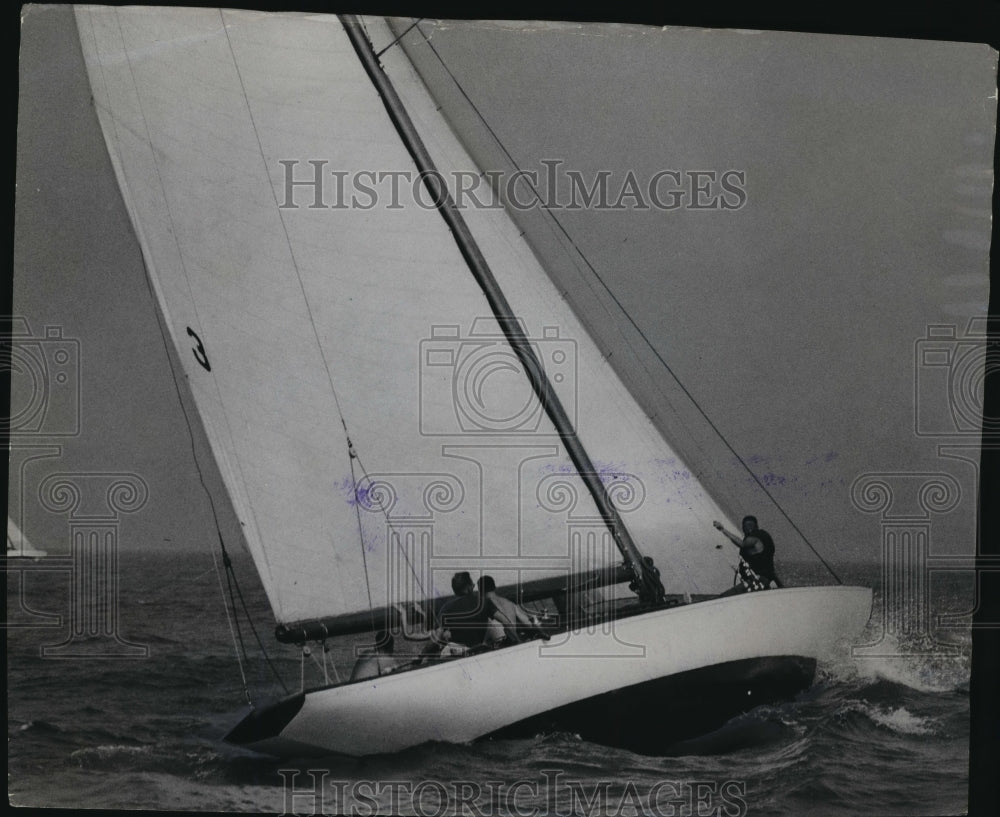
(645, 577)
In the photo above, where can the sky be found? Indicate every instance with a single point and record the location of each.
(796, 321)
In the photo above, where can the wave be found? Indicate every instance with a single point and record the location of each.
(897, 719)
(37, 726)
(558, 737)
(912, 663)
(108, 757)
(931, 674)
(196, 761)
(744, 732)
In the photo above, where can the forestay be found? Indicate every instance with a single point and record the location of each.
(299, 323)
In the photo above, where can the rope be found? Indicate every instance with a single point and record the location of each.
(388, 523)
(235, 632)
(168, 587)
(239, 632)
(390, 45)
(173, 374)
(284, 229)
(233, 629)
(333, 664)
(308, 307)
(607, 289)
(336, 399)
(246, 612)
(361, 539)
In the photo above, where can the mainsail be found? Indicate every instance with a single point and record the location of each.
(336, 360)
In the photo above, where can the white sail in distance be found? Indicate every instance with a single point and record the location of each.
(295, 329)
(18, 544)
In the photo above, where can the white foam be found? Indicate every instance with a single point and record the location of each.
(899, 719)
(936, 671)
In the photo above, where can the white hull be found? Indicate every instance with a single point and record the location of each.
(464, 699)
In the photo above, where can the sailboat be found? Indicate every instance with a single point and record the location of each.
(18, 545)
(384, 390)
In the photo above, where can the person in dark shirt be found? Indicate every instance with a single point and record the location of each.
(463, 619)
(756, 569)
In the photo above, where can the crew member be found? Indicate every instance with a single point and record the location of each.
(756, 568)
(464, 617)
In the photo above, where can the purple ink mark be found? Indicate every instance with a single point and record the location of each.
(607, 472)
(353, 495)
(609, 475)
(362, 496)
(365, 496)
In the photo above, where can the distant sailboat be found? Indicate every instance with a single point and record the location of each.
(337, 365)
(18, 545)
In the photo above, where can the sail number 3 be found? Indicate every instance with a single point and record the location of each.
(199, 351)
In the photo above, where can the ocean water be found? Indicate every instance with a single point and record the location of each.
(875, 735)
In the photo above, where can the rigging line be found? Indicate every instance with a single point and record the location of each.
(239, 632)
(632, 321)
(161, 318)
(175, 233)
(232, 629)
(343, 421)
(168, 587)
(565, 236)
(160, 323)
(291, 253)
(388, 523)
(361, 538)
(645, 581)
(246, 612)
(400, 37)
(230, 613)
